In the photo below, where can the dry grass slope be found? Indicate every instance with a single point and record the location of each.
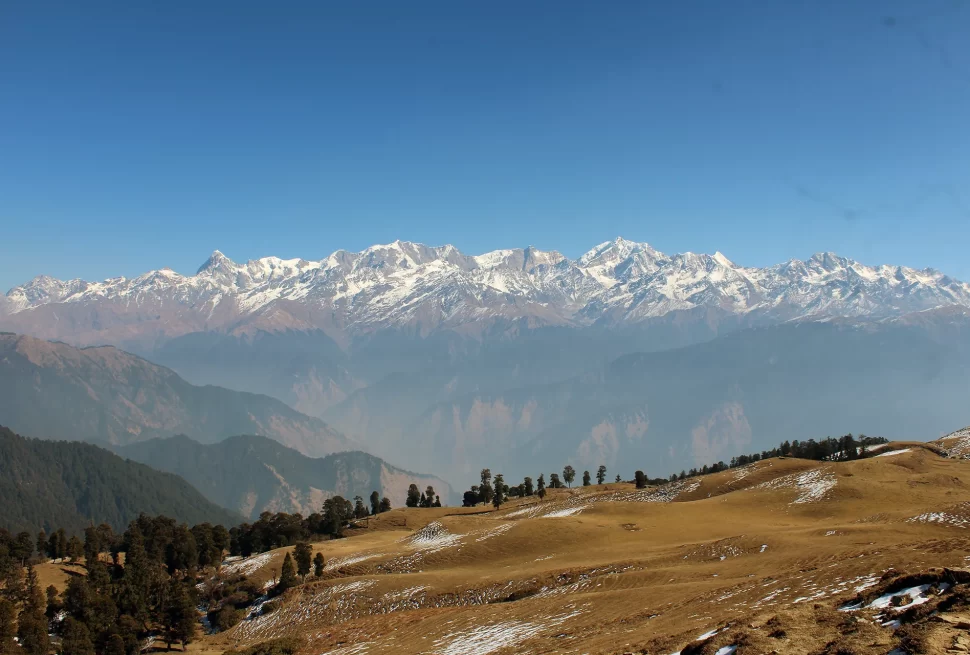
(783, 556)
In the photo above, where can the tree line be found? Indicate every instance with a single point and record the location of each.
(496, 491)
(281, 529)
(839, 449)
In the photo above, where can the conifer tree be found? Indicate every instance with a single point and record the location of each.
(375, 503)
(601, 474)
(385, 504)
(437, 501)
(42, 544)
(115, 645)
(53, 602)
(618, 477)
(76, 638)
(485, 488)
(541, 489)
(303, 553)
(414, 496)
(527, 486)
(586, 480)
(32, 622)
(640, 479)
(498, 494)
(318, 563)
(554, 482)
(360, 511)
(75, 549)
(287, 575)
(181, 619)
(8, 629)
(568, 475)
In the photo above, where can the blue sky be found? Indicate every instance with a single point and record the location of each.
(138, 135)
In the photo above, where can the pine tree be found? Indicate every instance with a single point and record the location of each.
(375, 503)
(424, 500)
(586, 479)
(485, 492)
(303, 553)
(527, 486)
(53, 602)
(554, 482)
(601, 474)
(318, 563)
(618, 477)
(32, 622)
(75, 549)
(569, 474)
(181, 619)
(385, 504)
(42, 544)
(287, 575)
(498, 495)
(92, 546)
(414, 496)
(640, 479)
(541, 489)
(8, 630)
(115, 645)
(437, 501)
(76, 638)
(360, 511)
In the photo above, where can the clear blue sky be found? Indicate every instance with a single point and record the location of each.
(136, 135)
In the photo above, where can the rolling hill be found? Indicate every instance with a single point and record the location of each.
(52, 484)
(785, 555)
(254, 474)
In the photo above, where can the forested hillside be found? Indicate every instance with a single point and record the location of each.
(252, 474)
(52, 484)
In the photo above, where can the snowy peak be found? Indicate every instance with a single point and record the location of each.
(439, 287)
(217, 261)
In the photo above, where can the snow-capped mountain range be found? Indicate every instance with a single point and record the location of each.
(402, 284)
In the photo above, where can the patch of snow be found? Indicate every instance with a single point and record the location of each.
(338, 562)
(812, 486)
(894, 452)
(568, 511)
(432, 537)
(249, 565)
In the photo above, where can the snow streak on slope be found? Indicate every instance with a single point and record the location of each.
(406, 283)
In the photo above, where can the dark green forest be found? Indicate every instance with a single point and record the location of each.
(59, 484)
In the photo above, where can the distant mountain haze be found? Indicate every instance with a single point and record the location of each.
(53, 390)
(254, 474)
(518, 359)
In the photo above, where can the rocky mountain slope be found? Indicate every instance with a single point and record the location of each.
(254, 474)
(50, 484)
(54, 390)
(683, 407)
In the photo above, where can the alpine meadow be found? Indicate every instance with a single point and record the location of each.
(449, 328)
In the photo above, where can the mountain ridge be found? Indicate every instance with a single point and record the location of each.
(105, 394)
(427, 288)
(252, 474)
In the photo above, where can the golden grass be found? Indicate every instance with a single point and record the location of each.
(610, 573)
